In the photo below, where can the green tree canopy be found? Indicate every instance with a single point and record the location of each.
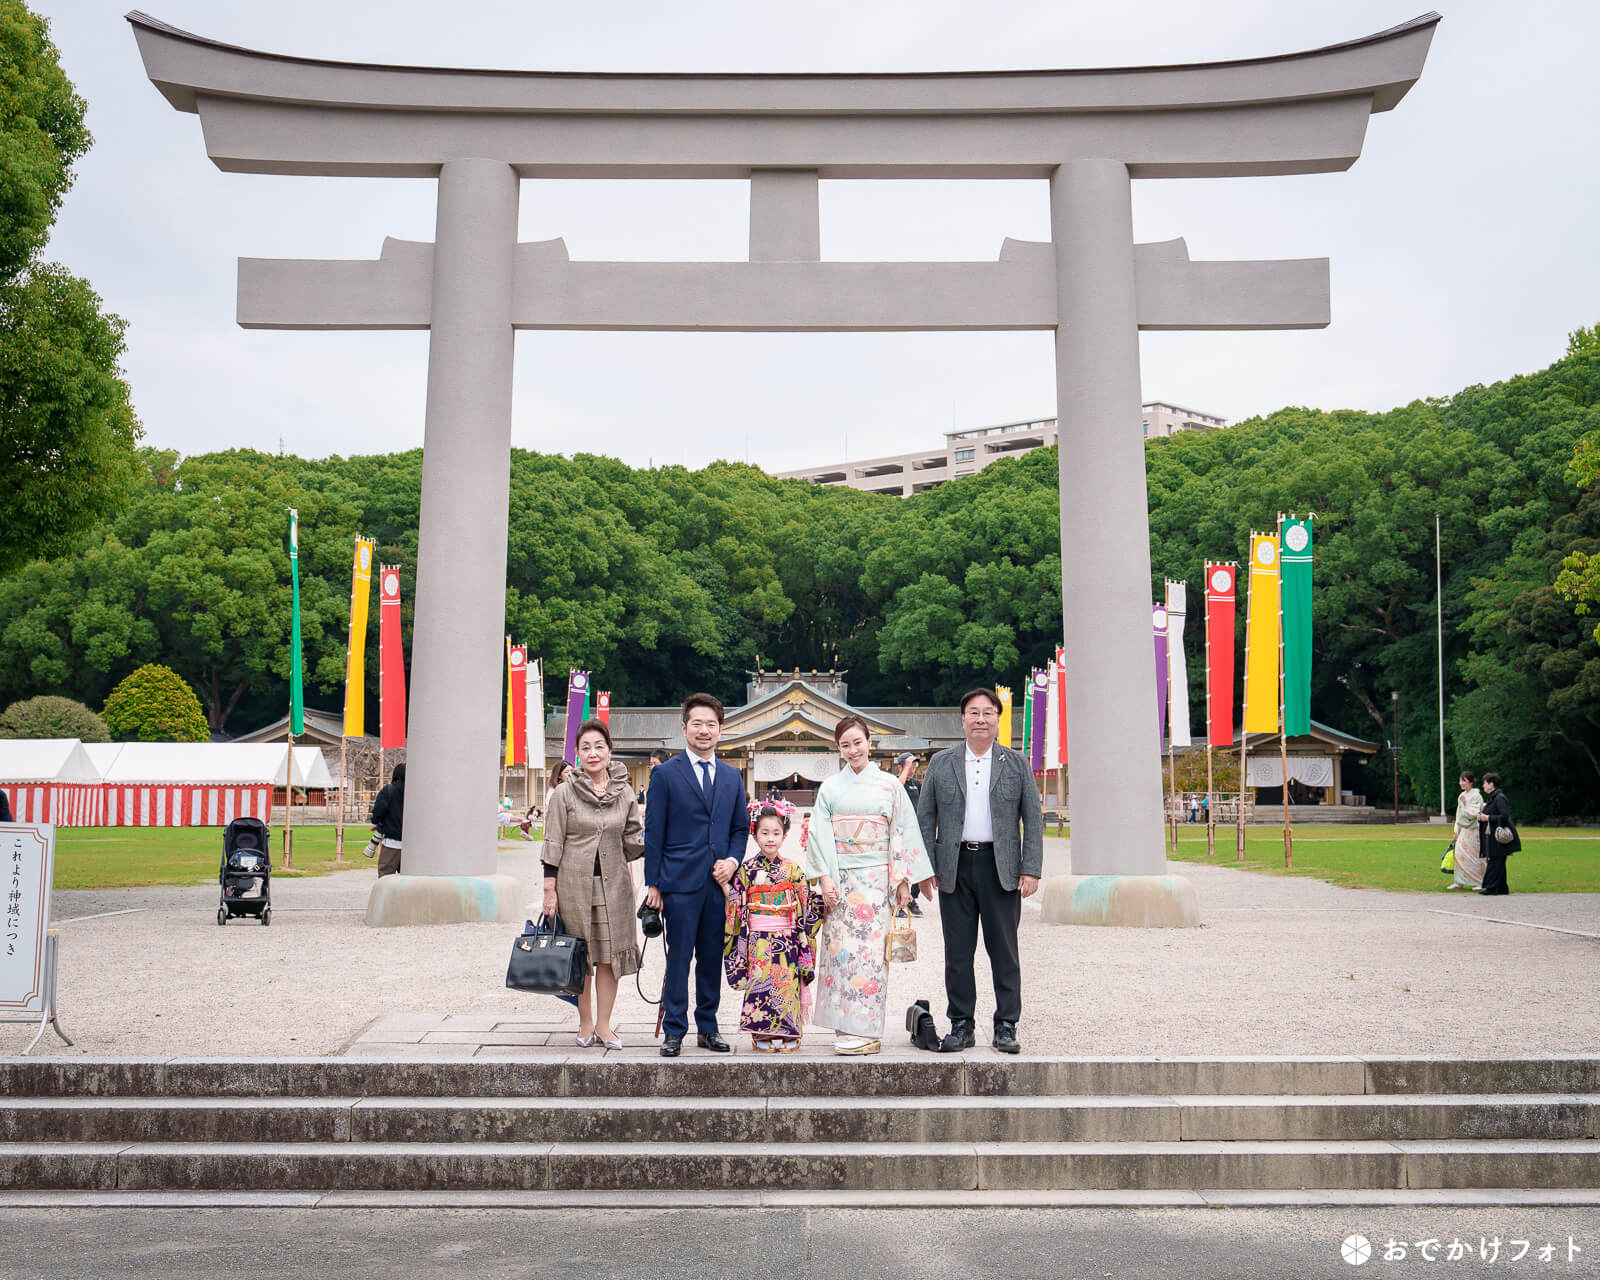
(67, 429)
(153, 704)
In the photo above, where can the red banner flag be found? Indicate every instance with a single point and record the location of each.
(391, 661)
(516, 703)
(602, 708)
(1222, 582)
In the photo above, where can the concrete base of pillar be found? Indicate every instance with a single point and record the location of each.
(1140, 902)
(404, 900)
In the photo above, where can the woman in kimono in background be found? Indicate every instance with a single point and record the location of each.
(863, 845)
(770, 951)
(1469, 861)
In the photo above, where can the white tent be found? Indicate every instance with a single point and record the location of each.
(193, 784)
(50, 780)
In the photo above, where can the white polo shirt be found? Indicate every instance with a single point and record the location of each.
(977, 824)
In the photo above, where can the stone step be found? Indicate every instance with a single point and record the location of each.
(809, 1166)
(903, 1073)
(794, 1120)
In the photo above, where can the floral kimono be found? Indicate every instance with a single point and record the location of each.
(770, 947)
(864, 836)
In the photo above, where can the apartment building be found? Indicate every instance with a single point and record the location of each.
(969, 451)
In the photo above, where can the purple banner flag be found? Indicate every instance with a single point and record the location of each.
(1160, 617)
(577, 693)
(1041, 717)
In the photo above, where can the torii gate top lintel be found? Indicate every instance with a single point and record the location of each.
(1291, 113)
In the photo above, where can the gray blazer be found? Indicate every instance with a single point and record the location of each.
(1014, 808)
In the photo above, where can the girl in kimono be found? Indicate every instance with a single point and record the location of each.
(770, 951)
(1469, 862)
(863, 847)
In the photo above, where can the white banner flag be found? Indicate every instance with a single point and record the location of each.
(535, 716)
(1177, 666)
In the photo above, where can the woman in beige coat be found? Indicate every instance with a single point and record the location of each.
(592, 830)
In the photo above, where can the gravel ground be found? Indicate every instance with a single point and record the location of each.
(1279, 966)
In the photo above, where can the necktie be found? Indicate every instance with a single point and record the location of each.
(705, 776)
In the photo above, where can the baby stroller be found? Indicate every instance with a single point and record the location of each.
(246, 874)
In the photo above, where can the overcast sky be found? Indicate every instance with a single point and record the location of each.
(1463, 241)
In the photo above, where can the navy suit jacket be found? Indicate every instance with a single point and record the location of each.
(683, 835)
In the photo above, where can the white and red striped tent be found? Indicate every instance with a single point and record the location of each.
(194, 784)
(50, 780)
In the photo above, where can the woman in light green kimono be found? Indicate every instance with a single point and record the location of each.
(863, 845)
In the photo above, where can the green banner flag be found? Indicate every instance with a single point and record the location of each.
(1294, 537)
(1027, 720)
(297, 709)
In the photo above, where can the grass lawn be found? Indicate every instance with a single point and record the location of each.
(120, 857)
(1553, 859)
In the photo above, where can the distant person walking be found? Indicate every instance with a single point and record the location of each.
(388, 818)
(1469, 865)
(1494, 821)
(905, 765)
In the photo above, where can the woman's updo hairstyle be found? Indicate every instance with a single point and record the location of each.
(848, 723)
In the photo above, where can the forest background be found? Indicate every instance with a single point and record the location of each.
(658, 579)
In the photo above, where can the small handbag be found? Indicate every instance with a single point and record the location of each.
(548, 962)
(1447, 864)
(1504, 835)
(900, 947)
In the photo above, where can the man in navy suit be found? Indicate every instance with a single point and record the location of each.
(696, 830)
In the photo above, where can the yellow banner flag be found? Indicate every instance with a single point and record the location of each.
(1003, 734)
(355, 671)
(1261, 637)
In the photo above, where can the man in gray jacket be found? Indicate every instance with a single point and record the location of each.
(982, 821)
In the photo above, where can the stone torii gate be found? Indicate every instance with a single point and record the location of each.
(1088, 133)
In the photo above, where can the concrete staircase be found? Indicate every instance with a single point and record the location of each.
(903, 1122)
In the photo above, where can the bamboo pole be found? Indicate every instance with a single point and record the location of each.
(288, 806)
(1172, 787)
(1244, 711)
(1211, 803)
(344, 782)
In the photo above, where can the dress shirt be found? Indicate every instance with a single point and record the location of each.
(706, 778)
(977, 824)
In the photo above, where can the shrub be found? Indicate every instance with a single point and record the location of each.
(52, 717)
(155, 705)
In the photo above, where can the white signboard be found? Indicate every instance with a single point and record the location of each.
(27, 871)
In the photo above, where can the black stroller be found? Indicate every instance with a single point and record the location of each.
(246, 875)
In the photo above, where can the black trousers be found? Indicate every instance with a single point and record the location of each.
(979, 899)
(1494, 873)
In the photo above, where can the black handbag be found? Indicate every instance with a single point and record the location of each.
(548, 962)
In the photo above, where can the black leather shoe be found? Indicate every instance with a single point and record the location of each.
(714, 1042)
(1005, 1037)
(914, 909)
(961, 1037)
(672, 1046)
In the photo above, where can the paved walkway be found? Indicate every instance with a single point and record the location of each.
(1280, 966)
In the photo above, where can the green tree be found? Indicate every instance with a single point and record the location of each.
(67, 430)
(51, 717)
(153, 704)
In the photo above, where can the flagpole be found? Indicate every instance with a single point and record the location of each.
(296, 711)
(1283, 709)
(338, 830)
(288, 806)
(1438, 606)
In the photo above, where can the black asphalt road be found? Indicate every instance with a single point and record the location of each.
(784, 1244)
